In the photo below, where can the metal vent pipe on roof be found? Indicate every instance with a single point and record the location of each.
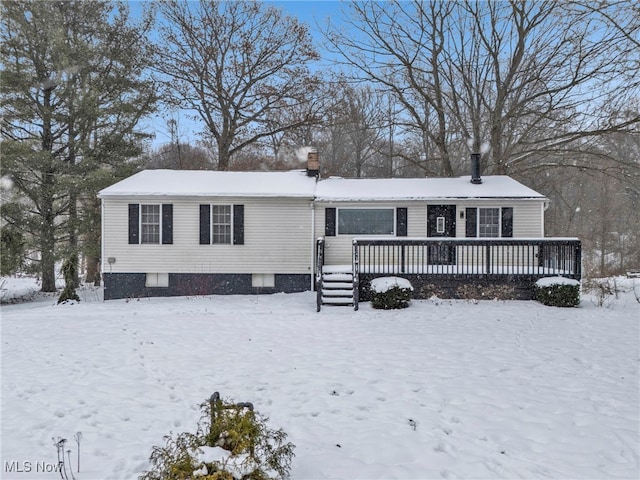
(475, 169)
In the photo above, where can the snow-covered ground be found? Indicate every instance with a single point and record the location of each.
(443, 389)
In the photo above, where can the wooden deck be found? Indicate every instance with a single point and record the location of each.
(454, 265)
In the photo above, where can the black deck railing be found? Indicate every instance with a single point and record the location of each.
(540, 257)
(355, 270)
(319, 265)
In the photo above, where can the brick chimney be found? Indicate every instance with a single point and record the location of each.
(475, 169)
(313, 164)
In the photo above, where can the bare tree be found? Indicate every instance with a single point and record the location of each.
(400, 47)
(532, 79)
(353, 129)
(551, 69)
(234, 64)
(180, 156)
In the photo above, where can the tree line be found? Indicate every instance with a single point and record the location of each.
(547, 91)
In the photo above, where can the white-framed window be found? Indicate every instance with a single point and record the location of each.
(156, 280)
(150, 224)
(489, 222)
(440, 224)
(366, 221)
(266, 280)
(221, 224)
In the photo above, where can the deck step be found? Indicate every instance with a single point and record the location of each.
(326, 292)
(337, 277)
(337, 285)
(337, 300)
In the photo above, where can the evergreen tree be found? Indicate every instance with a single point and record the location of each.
(74, 90)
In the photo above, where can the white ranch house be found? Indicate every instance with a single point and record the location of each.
(167, 232)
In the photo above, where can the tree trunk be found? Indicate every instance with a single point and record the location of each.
(223, 154)
(47, 227)
(93, 270)
(73, 210)
(48, 258)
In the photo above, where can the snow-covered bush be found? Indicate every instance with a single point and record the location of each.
(557, 292)
(69, 271)
(232, 442)
(390, 292)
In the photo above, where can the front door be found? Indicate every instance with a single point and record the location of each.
(441, 222)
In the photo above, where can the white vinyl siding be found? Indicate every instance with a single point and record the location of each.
(528, 221)
(277, 239)
(277, 234)
(339, 248)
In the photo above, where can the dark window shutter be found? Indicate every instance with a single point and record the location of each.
(238, 224)
(167, 224)
(507, 222)
(205, 224)
(471, 215)
(134, 223)
(401, 222)
(330, 222)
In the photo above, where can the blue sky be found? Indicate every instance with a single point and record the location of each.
(314, 13)
(309, 11)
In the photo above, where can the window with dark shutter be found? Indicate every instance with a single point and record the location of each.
(205, 224)
(507, 222)
(238, 224)
(330, 222)
(167, 224)
(134, 223)
(401, 222)
(471, 216)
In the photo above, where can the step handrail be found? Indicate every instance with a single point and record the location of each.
(319, 265)
(355, 270)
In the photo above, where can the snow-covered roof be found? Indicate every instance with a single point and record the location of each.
(295, 183)
(365, 189)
